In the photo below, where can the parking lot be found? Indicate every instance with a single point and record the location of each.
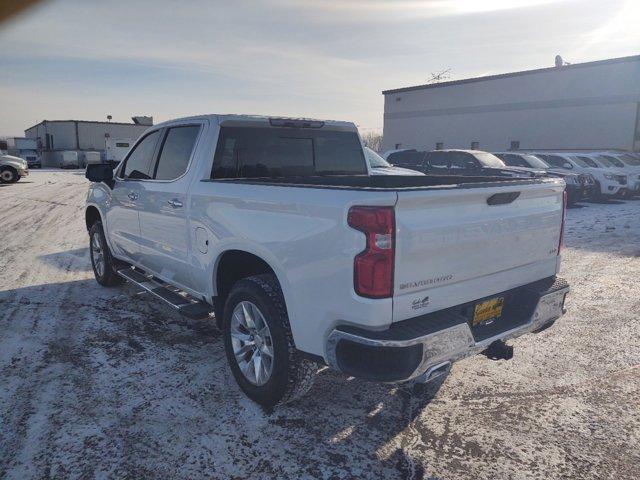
(98, 382)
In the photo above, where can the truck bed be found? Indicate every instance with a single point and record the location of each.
(390, 182)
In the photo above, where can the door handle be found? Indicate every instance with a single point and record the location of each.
(132, 196)
(175, 203)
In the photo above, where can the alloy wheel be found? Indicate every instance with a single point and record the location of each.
(6, 176)
(97, 255)
(252, 343)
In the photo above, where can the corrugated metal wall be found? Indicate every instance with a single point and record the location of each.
(78, 136)
(576, 107)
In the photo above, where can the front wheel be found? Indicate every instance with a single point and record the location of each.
(9, 175)
(259, 344)
(104, 265)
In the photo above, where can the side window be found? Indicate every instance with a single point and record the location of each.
(398, 158)
(408, 158)
(176, 152)
(138, 164)
(462, 161)
(438, 161)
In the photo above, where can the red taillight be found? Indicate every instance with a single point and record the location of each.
(373, 267)
(564, 214)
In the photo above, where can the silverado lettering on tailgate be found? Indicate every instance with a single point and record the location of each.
(428, 281)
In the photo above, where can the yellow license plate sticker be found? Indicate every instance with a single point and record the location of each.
(487, 310)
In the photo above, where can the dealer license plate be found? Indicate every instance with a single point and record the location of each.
(487, 310)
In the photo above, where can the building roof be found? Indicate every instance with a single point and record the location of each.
(87, 121)
(608, 61)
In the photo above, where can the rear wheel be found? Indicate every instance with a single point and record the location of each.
(9, 175)
(104, 265)
(259, 344)
(597, 193)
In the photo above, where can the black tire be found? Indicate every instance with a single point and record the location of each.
(292, 375)
(9, 175)
(109, 277)
(597, 194)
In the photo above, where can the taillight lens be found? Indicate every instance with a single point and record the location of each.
(373, 267)
(564, 214)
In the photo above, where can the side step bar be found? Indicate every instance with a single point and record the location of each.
(183, 303)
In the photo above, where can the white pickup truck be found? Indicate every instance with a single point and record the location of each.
(12, 168)
(277, 227)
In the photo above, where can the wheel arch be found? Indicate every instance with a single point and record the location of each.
(235, 264)
(92, 215)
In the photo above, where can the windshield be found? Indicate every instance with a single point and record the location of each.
(612, 161)
(375, 160)
(488, 159)
(512, 159)
(535, 162)
(555, 161)
(585, 162)
(606, 162)
(629, 160)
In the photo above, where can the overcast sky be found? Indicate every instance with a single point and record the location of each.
(328, 59)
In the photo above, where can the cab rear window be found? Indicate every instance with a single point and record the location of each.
(251, 152)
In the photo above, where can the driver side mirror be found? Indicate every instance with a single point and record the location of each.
(100, 172)
(567, 165)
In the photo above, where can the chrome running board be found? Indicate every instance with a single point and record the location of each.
(185, 304)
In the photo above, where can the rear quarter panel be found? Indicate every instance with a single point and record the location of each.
(302, 233)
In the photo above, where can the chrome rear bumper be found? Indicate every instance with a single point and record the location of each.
(438, 348)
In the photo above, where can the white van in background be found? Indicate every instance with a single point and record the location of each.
(92, 157)
(117, 148)
(70, 160)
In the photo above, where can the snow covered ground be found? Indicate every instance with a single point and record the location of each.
(104, 383)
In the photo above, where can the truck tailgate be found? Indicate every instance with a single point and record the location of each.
(453, 247)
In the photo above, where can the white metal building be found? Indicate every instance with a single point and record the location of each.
(585, 106)
(26, 148)
(56, 136)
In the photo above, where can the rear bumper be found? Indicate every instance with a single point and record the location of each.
(418, 346)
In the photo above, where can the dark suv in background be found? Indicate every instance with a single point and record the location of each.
(456, 162)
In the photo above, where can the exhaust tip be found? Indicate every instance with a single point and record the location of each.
(434, 372)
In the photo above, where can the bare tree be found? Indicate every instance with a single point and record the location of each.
(440, 76)
(373, 140)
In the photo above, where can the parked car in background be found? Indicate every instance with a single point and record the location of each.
(308, 260)
(12, 168)
(628, 165)
(577, 187)
(631, 160)
(608, 183)
(456, 162)
(379, 166)
(406, 158)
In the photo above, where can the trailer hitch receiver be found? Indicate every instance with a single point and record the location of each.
(499, 350)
